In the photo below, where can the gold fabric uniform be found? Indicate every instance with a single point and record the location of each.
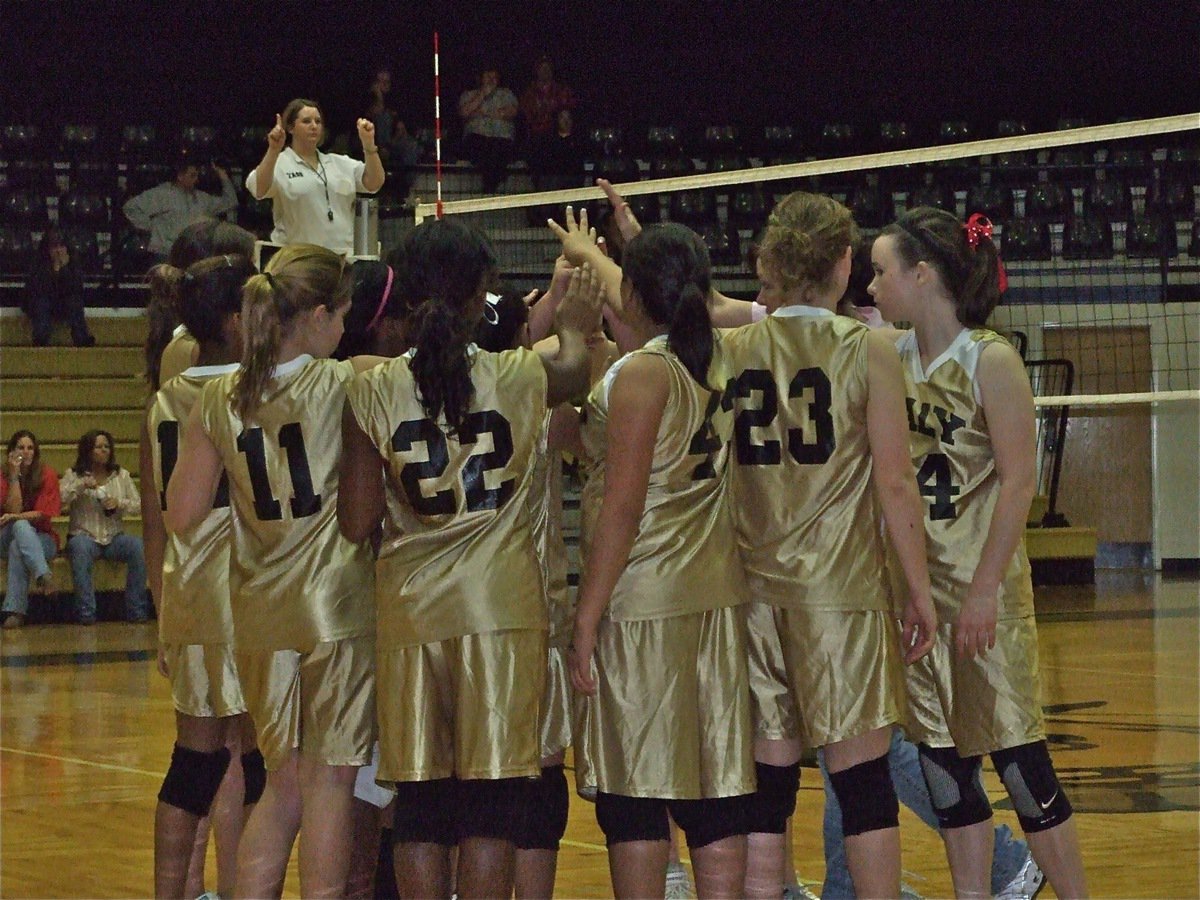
(992, 702)
(194, 621)
(808, 527)
(462, 614)
(671, 717)
(546, 504)
(297, 585)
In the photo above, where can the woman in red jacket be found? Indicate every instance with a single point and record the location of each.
(29, 500)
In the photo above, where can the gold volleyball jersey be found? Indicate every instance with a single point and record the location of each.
(546, 505)
(805, 510)
(458, 553)
(956, 472)
(684, 558)
(194, 608)
(294, 579)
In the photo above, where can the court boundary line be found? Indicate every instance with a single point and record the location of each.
(81, 762)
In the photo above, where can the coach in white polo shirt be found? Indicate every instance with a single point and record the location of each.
(312, 193)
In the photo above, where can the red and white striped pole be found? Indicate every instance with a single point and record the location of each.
(437, 122)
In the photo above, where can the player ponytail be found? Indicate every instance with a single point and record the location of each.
(668, 266)
(966, 262)
(203, 238)
(299, 278)
(209, 292)
(448, 268)
(162, 315)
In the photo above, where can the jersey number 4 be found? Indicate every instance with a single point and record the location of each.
(933, 478)
(304, 501)
(478, 495)
(811, 448)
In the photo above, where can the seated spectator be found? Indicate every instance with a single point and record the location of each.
(399, 150)
(30, 500)
(167, 209)
(489, 132)
(541, 104)
(53, 290)
(98, 492)
(559, 166)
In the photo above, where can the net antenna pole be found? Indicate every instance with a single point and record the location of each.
(437, 121)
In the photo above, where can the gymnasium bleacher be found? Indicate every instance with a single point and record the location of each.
(1137, 201)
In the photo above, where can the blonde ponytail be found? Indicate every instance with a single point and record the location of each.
(300, 277)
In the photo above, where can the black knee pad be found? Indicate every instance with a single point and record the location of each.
(867, 797)
(544, 819)
(493, 807)
(954, 787)
(427, 812)
(769, 807)
(193, 779)
(624, 819)
(704, 822)
(1029, 776)
(254, 771)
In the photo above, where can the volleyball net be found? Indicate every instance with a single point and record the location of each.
(1098, 227)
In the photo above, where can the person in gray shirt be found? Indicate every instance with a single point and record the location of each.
(167, 209)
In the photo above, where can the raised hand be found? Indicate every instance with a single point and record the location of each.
(578, 240)
(366, 134)
(276, 137)
(627, 223)
(581, 305)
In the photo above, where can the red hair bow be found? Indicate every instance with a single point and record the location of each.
(980, 226)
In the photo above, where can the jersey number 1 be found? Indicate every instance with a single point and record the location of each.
(167, 434)
(304, 502)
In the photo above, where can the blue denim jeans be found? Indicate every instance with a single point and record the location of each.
(28, 552)
(1007, 857)
(83, 552)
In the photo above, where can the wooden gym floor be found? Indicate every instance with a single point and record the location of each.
(86, 730)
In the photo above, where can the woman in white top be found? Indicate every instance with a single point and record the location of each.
(312, 193)
(99, 492)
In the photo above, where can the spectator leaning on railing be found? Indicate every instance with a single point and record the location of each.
(167, 209)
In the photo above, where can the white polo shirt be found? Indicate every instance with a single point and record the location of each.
(298, 199)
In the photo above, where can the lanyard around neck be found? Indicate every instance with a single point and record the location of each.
(321, 177)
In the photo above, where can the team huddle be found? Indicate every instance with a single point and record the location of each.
(796, 532)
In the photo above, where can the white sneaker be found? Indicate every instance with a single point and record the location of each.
(1026, 884)
(798, 892)
(679, 886)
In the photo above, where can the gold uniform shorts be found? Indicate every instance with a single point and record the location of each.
(204, 680)
(321, 702)
(844, 669)
(467, 706)
(556, 705)
(774, 709)
(978, 705)
(671, 715)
